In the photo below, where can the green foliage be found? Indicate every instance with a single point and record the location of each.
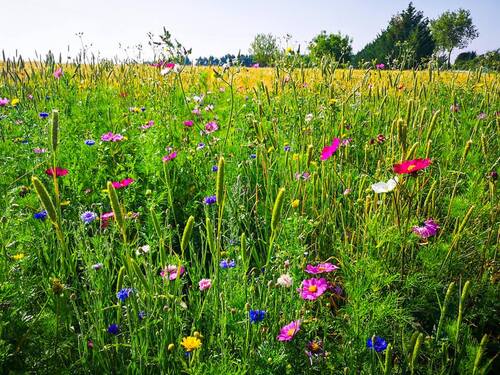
(336, 46)
(406, 42)
(453, 30)
(264, 49)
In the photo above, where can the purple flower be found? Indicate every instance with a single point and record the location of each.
(43, 115)
(209, 200)
(141, 315)
(215, 168)
(90, 142)
(256, 316)
(429, 229)
(97, 266)
(253, 156)
(211, 127)
(114, 329)
(200, 146)
(287, 148)
(226, 263)
(124, 293)
(42, 215)
(88, 217)
(376, 343)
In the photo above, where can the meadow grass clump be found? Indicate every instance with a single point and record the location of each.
(263, 221)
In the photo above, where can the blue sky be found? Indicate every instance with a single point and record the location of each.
(211, 27)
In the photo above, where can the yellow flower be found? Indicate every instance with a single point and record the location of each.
(15, 102)
(270, 149)
(18, 256)
(295, 156)
(295, 203)
(170, 347)
(289, 50)
(190, 343)
(333, 101)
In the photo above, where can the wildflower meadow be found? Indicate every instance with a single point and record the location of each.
(163, 218)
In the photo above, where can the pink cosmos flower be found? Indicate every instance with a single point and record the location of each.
(188, 123)
(311, 289)
(328, 151)
(58, 172)
(256, 65)
(4, 102)
(411, 166)
(172, 271)
(147, 125)
(110, 137)
(122, 183)
(107, 215)
(211, 127)
(380, 66)
(169, 157)
(289, 331)
(429, 229)
(321, 268)
(58, 73)
(205, 284)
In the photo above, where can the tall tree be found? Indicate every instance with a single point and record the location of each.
(406, 38)
(264, 48)
(334, 45)
(453, 30)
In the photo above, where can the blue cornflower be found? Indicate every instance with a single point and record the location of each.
(200, 146)
(286, 148)
(256, 315)
(226, 263)
(90, 142)
(215, 168)
(124, 293)
(141, 315)
(253, 156)
(211, 199)
(88, 217)
(43, 115)
(143, 109)
(379, 344)
(42, 215)
(114, 329)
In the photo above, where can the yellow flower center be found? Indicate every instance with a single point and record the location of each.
(312, 288)
(411, 167)
(291, 332)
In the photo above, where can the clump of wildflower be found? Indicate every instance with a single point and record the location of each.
(226, 263)
(114, 329)
(289, 331)
(4, 102)
(380, 66)
(172, 271)
(321, 268)
(314, 349)
(205, 284)
(89, 142)
(18, 256)
(124, 293)
(429, 229)
(111, 137)
(38, 150)
(295, 203)
(285, 280)
(376, 343)
(123, 183)
(190, 343)
(209, 200)
(88, 217)
(200, 146)
(188, 123)
(147, 125)
(43, 115)
(256, 316)
(287, 148)
(215, 168)
(169, 157)
(58, 73)
(311, 289)
(253, 156)
(329, 150)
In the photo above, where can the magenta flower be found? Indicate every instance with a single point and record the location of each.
(4, 102)
(256, 65)
(58, 73)
(321, 268)
(380, 66)
(107, 215)
(169, 157)
(328, 151)
(205, 284)
(188, 123)
(172, 271)
(147, 125)
(429, 229)
(289, 331)
(110, 137)
(311, 289)
(122, 183)
(211, 127)
(196, 111)
(38, 150)
(58, 171)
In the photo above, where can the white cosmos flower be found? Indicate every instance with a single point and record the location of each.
(385, 187)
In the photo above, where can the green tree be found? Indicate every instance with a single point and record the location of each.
(453, 30)
(264, 49)
(407, 39)
(334, 45)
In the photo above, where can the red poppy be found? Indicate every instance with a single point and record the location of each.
(411, 166)
(59, 171)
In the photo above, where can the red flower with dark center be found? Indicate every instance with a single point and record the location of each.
(58, 171)
(411, 166)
